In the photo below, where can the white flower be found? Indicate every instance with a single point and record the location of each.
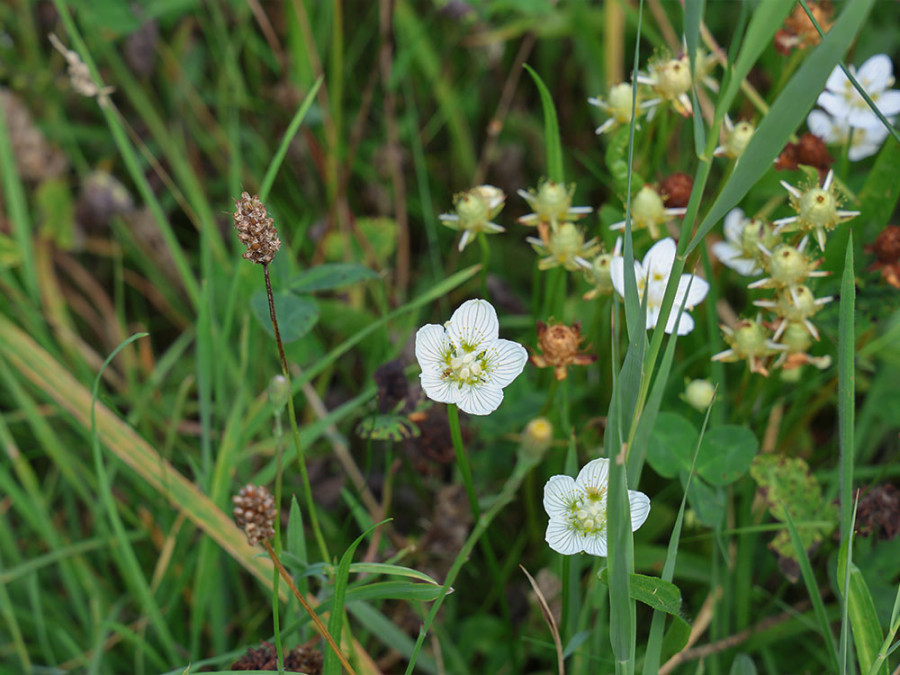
(652, 275)
(464, 362)
(731, 251)
(577, 510)
(864, 141)
(842, 101)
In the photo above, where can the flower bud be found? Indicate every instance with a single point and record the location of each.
(620, 102)
(699, 394)
(647, 209)
(788, 266)
(755, 232)
(737, 139)
(674, 77)
(536, 439)
(279, 390)
(796, 338)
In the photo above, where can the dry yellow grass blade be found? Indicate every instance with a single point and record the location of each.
(54, 380)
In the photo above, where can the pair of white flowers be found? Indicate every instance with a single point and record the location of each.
(466, 363)
(847, 117)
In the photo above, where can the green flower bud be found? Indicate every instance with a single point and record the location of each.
(699, 394)
(278, 392)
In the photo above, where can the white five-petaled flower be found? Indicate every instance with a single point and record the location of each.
(465, 362)
(731, 251)
(577, 510)
(847, 116)
(652, 275)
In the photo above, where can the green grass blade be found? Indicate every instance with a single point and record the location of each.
(551, 129)
(292, 130)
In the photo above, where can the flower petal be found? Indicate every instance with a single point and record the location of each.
(560, 493)
(504, 362)
(478, 399)
(889, 103)
(562, 538)
(594, 474)
(685, 323)
(659, 259)
(835, 104)
(734, 226)
(639, 504)
(698, 290)
(432, 348)
(437, 388)
(617, 273)
(875, 74)
(473, 323)
(824, 126)
(837, 81)
(595, 544)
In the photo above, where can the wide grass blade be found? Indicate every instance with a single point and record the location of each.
(551, 129)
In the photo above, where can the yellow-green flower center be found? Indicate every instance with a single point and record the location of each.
(589, 517)
(467, 368)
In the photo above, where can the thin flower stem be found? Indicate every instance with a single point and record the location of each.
(295, 431)
(320, 627)
(485, 261)
(279, 449)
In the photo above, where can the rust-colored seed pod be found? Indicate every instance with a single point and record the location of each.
(254, 512)
(676, 190)
(255, 229)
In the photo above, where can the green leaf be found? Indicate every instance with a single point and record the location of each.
(297, 314)
(881, 190)
(551, 130)
(867, 633)
(380, 233)
(671, 444)
(676, 637)
(742, 665)
(331, 275)
(652, 591)
(726, 453)
(57, 214)
(396, 590)
(708, 503)
(9, 252)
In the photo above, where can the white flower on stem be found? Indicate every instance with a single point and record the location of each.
(652, 275)
(578, 510)
(465, 362)
(473, 212)
(844, 102)
(733, 252)
(864, 141)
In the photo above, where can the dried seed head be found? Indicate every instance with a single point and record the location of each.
(676, 190)
(255, 229)
(560, 345)
(254, 512)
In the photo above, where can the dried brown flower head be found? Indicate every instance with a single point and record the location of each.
(80, 77)
(676, 190)
(255, 229)
(887, 254)
(809, 150)
(265, 657)
(35, 158)
(879, 512)
(799, 32)
(559, 344)
(254, 512)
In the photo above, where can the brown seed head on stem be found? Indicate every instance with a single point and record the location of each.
(254, 512)
(255, 229)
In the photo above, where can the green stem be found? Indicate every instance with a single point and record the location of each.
(485, 262)
(295, 431)
(278, 432)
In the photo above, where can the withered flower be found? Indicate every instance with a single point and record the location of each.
(799, 32)
(887, 254)
(809, 150)
(255, 229)
(675, 190)
(254, 512)
(560, 344)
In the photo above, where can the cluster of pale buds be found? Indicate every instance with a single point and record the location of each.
(817, 210)
(559, 240)
(474, 211)
(649, 212)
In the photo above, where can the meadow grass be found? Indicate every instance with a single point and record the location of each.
(138, 349)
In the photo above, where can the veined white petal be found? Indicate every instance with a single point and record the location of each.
(595, 545)
(432, 347)
(504, 361)
(478, 399)
(659, 259)
(594, 474)
(876, 74)
(438, 388)
(639, 504)
(473, 323)
(685, 323)
(698, 290)
(560, 493)
(562, 538)
(653, 316)
(734, 226)
(889, 103)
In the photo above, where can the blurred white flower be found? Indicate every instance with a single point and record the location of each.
(841, 100)
(847, 116)
(652, 275)
(577, 510)
(465, 362)
(731, 251)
